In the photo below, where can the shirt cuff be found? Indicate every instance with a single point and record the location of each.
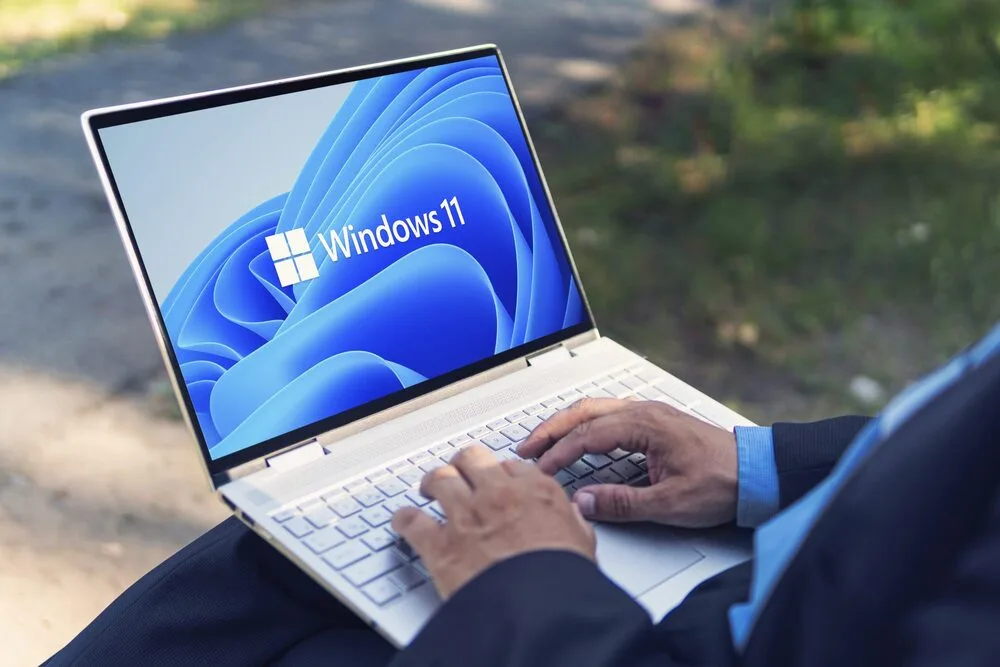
(758, 498)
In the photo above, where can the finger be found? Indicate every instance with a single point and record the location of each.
(419, 530)
(597, 436)
(447, 486)
(615, 502)
(478, 466)
(556, 427)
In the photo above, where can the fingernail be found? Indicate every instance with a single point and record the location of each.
(587, 503)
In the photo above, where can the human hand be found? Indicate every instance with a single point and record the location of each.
(495, 511)
(692, 465)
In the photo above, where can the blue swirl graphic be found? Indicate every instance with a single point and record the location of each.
(260, 360)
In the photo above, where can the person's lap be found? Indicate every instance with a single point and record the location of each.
(228, 598)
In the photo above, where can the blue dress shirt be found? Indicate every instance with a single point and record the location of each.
(780, 535)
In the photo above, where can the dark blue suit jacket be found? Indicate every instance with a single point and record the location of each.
(903, 568)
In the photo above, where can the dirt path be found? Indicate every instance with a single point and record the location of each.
(95, 485)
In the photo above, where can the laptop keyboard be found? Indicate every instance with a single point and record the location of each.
(349, 526)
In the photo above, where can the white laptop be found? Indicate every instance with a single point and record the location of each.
(353, 275)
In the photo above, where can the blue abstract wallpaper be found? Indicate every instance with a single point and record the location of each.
(433, 248)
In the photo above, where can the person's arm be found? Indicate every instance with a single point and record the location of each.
(806, 453)
(778, 465)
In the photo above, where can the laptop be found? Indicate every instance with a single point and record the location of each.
(353, 275)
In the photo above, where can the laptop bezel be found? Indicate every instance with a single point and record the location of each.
(95, 120)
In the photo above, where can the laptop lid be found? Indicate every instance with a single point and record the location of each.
(316, 250)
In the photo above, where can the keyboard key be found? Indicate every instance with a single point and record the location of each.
(373, 567)
(439, 449)
(627, 470)
(298, 526)
(478, 432)
(376, 516)
(617, 389)
(649, 374)
(355, 485)
(579, 469)
(405, 550)
(352, 527)
(618, 375)
(678, 391)
(651, 394)
(377, 476)
(320, 516)
(552, 402)
(346, 554)
(433, 464)
(632, 382)
(637, 459)
(396, 467)
(600, 393)
(379, 539)
(448, 456)
(417, 499)
(564, 478)
(391, 487)
(345, 506)
(700, 414)
(459, 440)
(381, 592)
(531, 423)
(406, 578)
(546, 414)
(310, 505)
(393, 505)
(422, 457)
(608, 476)
(534, 409)
(411, 476)
(497, 424)
(496, 441)
(369, 496)
(324, 540)
(571, 396)
(618, 454)
(284, 515)
(508, 455)
(596, 460)
(515, 417)
(418, 565)
(586, 481)
(517, 433)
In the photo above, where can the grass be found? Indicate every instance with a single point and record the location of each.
(777, 206)
(34, 30)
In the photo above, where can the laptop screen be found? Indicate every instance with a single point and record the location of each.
(323, 253)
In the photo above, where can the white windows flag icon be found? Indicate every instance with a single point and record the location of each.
(293, 260)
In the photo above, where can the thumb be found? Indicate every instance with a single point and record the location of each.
(614, 502)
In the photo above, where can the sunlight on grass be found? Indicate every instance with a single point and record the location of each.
(780, 194)
(32, 30)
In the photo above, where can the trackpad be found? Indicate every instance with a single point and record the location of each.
(639, 556)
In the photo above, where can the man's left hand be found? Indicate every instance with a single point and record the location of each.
(495, 511)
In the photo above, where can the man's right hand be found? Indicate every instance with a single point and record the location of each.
(692, 464)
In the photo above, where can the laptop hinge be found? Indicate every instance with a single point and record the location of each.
(549, 356)
(310, 450)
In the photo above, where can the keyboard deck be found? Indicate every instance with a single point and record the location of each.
(348, 525)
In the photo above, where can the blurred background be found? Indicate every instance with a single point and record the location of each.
(793, 204)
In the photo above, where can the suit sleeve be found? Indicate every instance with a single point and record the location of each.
(542, 609)
(806, 453)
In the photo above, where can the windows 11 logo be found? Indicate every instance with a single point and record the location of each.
(293, 259)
